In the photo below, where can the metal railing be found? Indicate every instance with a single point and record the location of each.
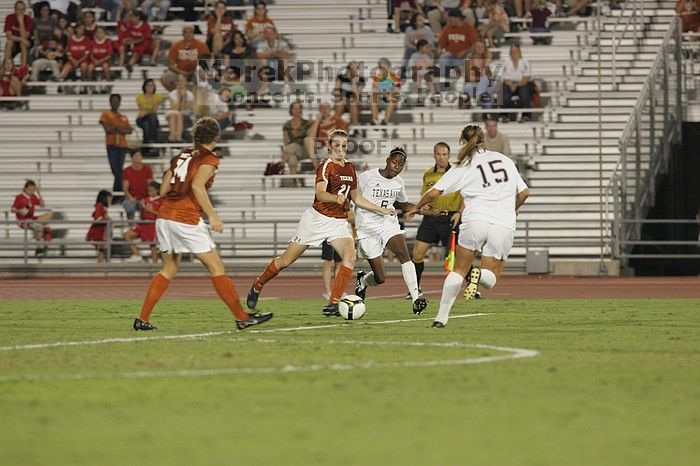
(636, 18)
(688, 248)
(645, 146)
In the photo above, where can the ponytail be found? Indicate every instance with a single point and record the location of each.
(471, 140)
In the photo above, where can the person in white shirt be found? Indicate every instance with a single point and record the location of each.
(384, 187)
(517, 84)
(493, 191)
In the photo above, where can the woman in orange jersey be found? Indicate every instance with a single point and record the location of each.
(336, 183)
(180, 227)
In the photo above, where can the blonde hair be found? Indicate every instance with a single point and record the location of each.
(471, 140)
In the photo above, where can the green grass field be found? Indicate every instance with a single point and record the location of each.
(613, 382)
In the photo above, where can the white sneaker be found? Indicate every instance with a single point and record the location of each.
(326, 296)
(134, 259)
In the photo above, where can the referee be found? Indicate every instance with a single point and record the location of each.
(440, 218)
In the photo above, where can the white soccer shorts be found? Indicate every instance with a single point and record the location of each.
(490, 239)
(179, 237)
(314, 228)
(373, 246)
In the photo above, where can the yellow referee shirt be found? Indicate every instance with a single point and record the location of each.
(449, 202)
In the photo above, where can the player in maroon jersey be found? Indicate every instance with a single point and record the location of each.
(78, 53)
(336, 184)
(100, 55)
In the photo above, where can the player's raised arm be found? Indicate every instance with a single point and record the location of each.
(363, 203)
(427, 198)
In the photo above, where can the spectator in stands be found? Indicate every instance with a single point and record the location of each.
(294, 132)
(274, 55)
(496, 26)
(77, 54)
(90, 24)
(124, 9)
(456, 39)
(135, 179)
(255, 27)
(44, 25)
(417, 31)
(181, 101)
(148, 7)
(60, 36)
(421, 68)
(233, 90)
(101, 55)
(116, 126)
(539, 14)
(239, 56)
(220, 27)
(495, 140)
(48, 56)
(386, 92)
(478, 77)
(318, 131)
(69, 9)
(19, 28)
(517, 85)
(99, 232)
(210, 105)
(13, 78)
(23, 208)
(183, 58)
(580, 7)
(150, 206)
(690, 18)
(149, 102)
(348, 92)
(403, 11)
(139, 41)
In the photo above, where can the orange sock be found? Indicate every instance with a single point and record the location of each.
(340, 284)
(268, 274)
(156, 289)
(227, 292)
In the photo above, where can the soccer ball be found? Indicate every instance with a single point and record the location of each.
(351, 307)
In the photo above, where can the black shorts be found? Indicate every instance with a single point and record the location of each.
(434, 230)
(328, 253)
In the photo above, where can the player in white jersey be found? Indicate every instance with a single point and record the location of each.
(384, 187)
(493, 191)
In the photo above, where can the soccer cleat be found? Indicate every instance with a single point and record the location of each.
(420, 294)
(438, 324)
(419, 305)
(472, 283)
(143, 325)
(478, 295)
(253, 319)
(252, 299)
(360, 289)
(331, 310)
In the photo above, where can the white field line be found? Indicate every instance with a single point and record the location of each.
(510, 353)
(210, 334)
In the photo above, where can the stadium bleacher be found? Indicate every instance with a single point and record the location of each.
(57, 141)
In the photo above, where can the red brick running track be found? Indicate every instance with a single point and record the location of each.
(300, 286)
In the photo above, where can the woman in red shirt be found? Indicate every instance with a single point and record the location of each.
(98, 232)
(78, 53)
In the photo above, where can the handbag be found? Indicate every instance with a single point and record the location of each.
(536, 97)
(274, 168)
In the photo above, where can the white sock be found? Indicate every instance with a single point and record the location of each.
(408, 269)
(368, 280)
(488, 279)
(450, 290)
